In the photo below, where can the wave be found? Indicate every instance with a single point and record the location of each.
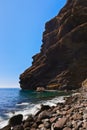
(22, 104)
(30, 109)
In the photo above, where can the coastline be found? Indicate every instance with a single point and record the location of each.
(70, 115)
(27, 107)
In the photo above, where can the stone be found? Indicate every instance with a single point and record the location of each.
(77, 116)
(26, 124)
(18, 127)
(40, 89)
(47, 125)
(30, 118)
(69, 124)
(33, 129)
(16, 120)
(53, 119)
(60, 123)
(28, 128)
(34, 125)
(44, 115)
(41, 126)
(38, 121)
(45, 107)
(67, 128)
(85, 125)
(85, 116)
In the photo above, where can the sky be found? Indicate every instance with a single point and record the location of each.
(22, 24)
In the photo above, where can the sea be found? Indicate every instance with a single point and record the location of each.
(15, 101)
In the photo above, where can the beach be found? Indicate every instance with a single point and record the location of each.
(16, 101)
(68, 115)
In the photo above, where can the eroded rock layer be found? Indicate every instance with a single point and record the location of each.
(62, 61)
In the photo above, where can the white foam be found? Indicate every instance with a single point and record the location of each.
(54, 101)
(22, 104)
(3, 123)
(32, 109)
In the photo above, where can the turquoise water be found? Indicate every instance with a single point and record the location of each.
(20, 101)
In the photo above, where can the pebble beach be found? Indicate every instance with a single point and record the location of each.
(70, 115)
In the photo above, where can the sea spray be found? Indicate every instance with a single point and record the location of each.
(26, 102)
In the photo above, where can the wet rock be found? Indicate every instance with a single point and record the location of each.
(16, 120)
(43, 115)
(30, 118)
(45, 107)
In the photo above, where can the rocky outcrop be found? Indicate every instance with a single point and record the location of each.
(62, 61)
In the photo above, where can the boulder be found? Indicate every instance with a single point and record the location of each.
(44, 114)
(16, 120)
(40, 89)
(60, 123)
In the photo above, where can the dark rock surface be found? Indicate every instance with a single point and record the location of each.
(62, 61)
(16, 120)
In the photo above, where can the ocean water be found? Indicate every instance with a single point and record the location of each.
(16, 101)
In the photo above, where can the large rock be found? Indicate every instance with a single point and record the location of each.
(44, 114)
(60, 123)
(18, 127)
(16, 120)
(62, 61)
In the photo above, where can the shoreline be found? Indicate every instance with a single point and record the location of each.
(34, 107)
(70, 115)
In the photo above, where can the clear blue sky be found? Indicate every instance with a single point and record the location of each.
(21, 26)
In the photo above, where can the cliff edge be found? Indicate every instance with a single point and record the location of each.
(62, 61)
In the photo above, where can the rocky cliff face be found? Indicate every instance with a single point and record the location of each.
(62, 61)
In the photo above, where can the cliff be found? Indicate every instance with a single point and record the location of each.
(62, 61)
